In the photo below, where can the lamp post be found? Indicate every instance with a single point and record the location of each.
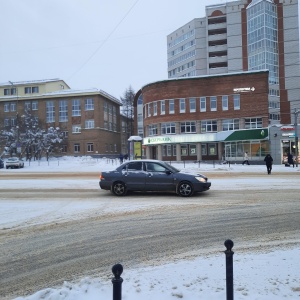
(296, 136)
(17, 119)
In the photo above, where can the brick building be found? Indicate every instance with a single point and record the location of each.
(206, 118)
(90, 119)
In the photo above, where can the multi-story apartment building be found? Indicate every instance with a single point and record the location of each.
(90, 119)
(240, 36)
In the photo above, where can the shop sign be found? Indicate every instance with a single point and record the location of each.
(287, 128)
(243, 90)
(166, 139)
(289, 134)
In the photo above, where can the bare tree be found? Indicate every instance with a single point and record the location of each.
(127, 110)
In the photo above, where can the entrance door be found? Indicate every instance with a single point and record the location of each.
(227, 152)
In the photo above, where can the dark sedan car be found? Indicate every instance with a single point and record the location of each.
(151, 175)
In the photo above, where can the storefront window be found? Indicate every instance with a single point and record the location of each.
(212, 149)
(193, 150)
(184, 150)
(203, 149)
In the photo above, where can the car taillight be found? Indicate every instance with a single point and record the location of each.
(101, 176)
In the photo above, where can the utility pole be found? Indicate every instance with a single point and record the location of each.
(296, 136)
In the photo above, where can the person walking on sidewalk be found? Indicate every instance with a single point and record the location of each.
(269, 161)
(291, 159)
(246, 159)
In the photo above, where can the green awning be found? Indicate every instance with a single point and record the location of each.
(248, 134)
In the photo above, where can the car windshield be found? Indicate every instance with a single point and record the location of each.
(12, 159)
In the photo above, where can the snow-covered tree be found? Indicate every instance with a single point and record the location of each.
(29, 139)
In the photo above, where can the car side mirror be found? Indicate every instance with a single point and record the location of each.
(168, 172)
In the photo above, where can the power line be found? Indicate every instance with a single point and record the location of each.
(105, 40)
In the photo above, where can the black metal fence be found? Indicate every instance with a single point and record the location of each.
(117, 270)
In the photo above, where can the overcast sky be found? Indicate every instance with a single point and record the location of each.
(106, 44)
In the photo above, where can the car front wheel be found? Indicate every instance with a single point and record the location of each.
(185, 189)
(119, 189)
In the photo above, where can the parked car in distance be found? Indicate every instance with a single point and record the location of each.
(14, 162)
(152, 175)
(1, 164)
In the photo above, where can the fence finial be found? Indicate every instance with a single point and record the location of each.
(229, 244)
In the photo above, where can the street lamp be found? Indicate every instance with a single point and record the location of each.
(296, 136)
(17, 118)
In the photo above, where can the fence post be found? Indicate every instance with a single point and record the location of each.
(229, 269)
(198, 163)
(117, 281)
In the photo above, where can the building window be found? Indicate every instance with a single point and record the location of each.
(212, 149)
(149, 109)
(162, 107)
(188, 127)
(13, 106)
(202, 104)
(155, 108)
(34, 105)
(168, 128)
(182, 105)
(213, 103)
(184, 150)
(50, 112)
(6, 122)
(76, 128)
(169, 150)
(193, 150)
(203, 149)
(64, 148)
(76, 108)
(6, 107)
(224, 102)
(236, 102)
(152, 129)
(89, 124)
(192, 105)
(27, 90)
(63, 111)
(90, 147)
(76, 148)
(35, 89)
(230, 124)
(253, 123)
(27, 106)
(174, 150)
(89, 104)
(209, 126)
(171, 106)
(8, 92)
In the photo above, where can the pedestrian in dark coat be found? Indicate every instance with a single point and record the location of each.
(269, 161)
(291, 159)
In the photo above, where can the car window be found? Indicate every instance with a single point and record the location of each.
(134, 166)
(154, 167)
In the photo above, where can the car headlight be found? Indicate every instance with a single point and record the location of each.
(201, 179)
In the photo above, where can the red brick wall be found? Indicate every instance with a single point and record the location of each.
(252, 104)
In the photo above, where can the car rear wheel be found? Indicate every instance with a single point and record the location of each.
(185, 189)
(119, 189)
